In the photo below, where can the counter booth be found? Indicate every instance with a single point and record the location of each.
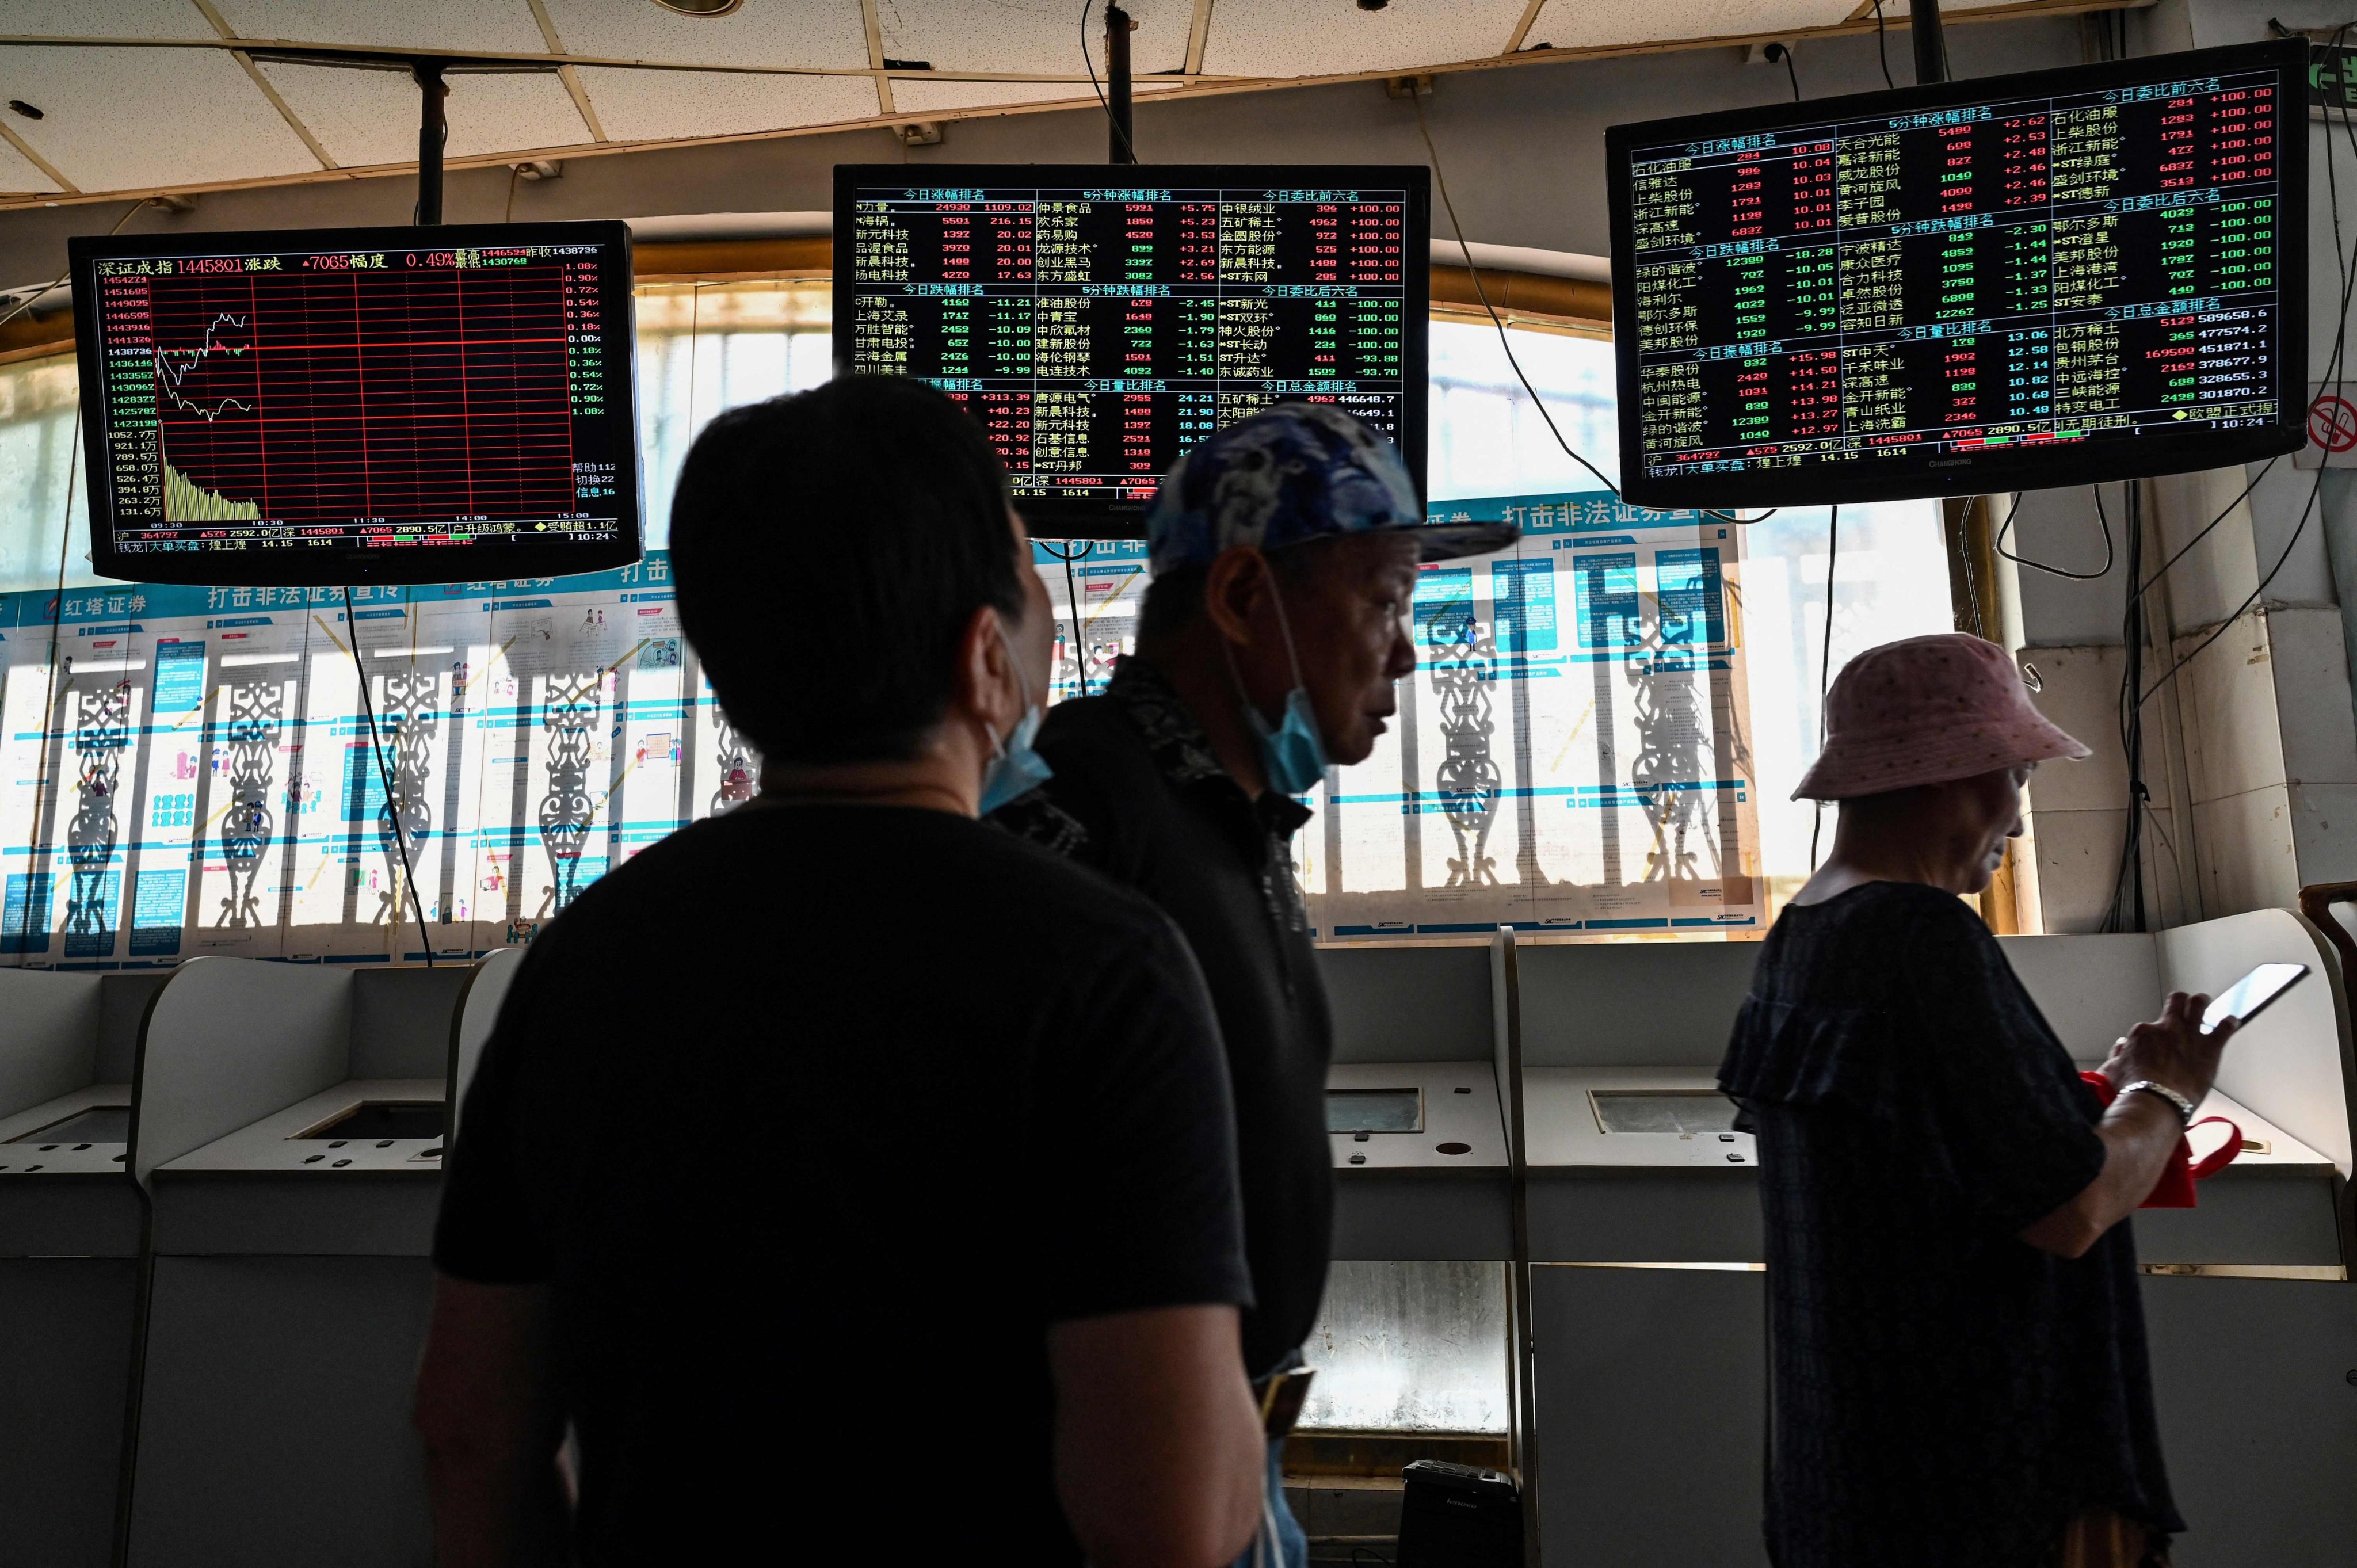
(290, 1140)
(72, 1222)
(1646, 1362)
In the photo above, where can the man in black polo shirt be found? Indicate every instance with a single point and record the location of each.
(841, 1168)
(1284, 552)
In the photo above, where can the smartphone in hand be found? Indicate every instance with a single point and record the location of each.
(2250, 997)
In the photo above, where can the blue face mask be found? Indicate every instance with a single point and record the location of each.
(1015, 769)
(1292, 755)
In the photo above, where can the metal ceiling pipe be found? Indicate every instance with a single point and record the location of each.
(430, 127)
(1121, 148)
(1930, 52)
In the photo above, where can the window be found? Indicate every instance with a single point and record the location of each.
(1601, 736)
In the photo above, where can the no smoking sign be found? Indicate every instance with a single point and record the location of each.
(2332, 429)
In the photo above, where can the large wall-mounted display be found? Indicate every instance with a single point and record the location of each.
(2037, 280)
(1100, 321)
(365, 405)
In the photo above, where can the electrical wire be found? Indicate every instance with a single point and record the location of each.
(54, 696)
(1441, 181)
(1072, 603)
(1128, 149)
(1882, 47)
(2332, 374)
(1784, 52)
(25, 304)
(385, 776)
(1998, 544)
(1825, 664)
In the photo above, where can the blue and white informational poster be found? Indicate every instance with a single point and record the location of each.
(189, 771)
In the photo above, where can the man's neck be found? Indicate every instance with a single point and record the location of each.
(1190, 662)
(933, 783)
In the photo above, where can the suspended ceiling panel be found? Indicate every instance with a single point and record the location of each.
(819, 35)
(1600, 24)
(127, 118)
(1328, 38)
(1038, 37)
(918, 95)
(365, 117)
(19, 173)
(488, 26)
(103, 20)
(660, 106)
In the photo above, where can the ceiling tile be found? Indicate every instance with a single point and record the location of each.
(821, 35)
(365, 117)
(1332, 38)
(1041, 37)
(660, 105)
(1604, 23)
(104, 19)
(921, 95)
(121, 119)
(19, 173)
(479, 26)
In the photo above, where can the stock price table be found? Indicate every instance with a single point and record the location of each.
(406, 397)
(2056, 269)
(1097, 333)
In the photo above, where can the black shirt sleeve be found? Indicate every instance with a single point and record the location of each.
(1990, 1099)
(1139, 1162)
(485, 1232)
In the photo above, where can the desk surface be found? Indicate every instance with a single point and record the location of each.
(74, 1158)
(273, 1146)
(1460, 1114)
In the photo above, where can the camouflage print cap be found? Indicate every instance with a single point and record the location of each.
(1290, 473)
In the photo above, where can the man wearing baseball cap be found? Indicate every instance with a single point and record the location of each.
(1957, 1337)
(1284, 551)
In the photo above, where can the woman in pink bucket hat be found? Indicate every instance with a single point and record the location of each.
(1957, 1347)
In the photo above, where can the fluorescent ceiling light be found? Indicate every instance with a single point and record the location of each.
(239, 660)
(408, 652)
(103, 666)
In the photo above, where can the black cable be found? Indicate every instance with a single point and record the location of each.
(1128, 148)
(385, 776)
(1882, 47)
(1825, 664)
(1784, 52)
(2203, 533)
(2127, 880)
(1441, 181)
(2332, 373)
(1072, 602)
(1998, 544)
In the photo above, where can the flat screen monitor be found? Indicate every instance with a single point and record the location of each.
(2009, 282)
(1100, 321)
(331, 406)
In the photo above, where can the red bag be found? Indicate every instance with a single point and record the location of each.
(2175, 1187)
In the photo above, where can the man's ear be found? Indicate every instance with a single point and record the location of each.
(986, 679)
(1233, 587)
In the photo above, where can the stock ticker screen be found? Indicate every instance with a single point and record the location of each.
(368, 405)
(1100, 321)
(2043, 279)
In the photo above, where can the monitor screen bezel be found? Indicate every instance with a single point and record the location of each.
(1096, 518)
(1912, 477)
(340, 565)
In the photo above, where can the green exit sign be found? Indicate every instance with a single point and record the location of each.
(2333, 78)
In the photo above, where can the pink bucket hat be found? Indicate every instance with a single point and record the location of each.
(1924, 711)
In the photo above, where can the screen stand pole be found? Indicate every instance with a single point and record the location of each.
(1121, 145)
(431, 93)
(1931, 52)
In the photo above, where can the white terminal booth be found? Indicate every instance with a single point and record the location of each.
(72, 1225)
(291, 1137)
(1640, 1432)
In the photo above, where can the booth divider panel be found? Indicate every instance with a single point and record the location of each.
(478, 1010)
(2090, 988)
(402, 1018)
(1408, 1003)
(1629, 1005)
(231, 1040)
(50, 1045)
(2289, 1065)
